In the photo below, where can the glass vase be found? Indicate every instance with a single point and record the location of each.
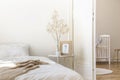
(57, 49)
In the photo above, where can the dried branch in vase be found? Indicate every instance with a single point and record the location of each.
(57, 27)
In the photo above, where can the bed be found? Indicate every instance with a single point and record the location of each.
(52, 71)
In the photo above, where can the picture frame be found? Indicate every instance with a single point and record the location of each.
(66, 47)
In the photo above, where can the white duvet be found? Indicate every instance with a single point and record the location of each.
(53, 71)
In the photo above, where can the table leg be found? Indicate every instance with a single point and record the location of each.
(73, 62)
(117, 57)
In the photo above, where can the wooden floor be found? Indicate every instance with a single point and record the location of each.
(113, 76)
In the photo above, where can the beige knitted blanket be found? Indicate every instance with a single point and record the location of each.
(21, 68)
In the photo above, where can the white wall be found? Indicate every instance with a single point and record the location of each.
(83, 37)
(26, 21)
(108, 21)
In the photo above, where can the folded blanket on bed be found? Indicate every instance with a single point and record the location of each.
(21, 68)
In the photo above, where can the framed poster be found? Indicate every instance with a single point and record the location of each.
(66, 47)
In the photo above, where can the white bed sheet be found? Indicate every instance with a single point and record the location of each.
(53, 71)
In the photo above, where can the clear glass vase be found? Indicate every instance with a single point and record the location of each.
(57, 49)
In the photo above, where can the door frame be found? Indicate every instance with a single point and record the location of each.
(94, 39)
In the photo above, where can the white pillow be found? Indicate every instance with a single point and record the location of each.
(13, 50)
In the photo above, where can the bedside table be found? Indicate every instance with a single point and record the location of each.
(64, 57)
